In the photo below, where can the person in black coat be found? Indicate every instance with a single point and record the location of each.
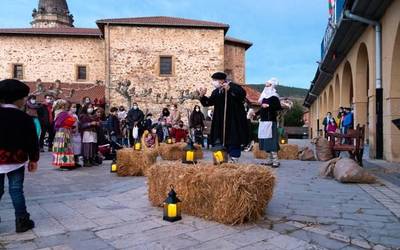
(196, 124)
(236, 132)
(19, 148)
(46, 118)
(135, 117)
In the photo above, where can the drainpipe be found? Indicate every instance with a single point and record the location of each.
(108, 64)
(378, 80)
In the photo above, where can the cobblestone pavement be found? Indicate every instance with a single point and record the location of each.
(93, 209)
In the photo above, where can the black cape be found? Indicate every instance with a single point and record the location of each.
(236, 124)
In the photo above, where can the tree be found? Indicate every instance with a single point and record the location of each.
(294, 117)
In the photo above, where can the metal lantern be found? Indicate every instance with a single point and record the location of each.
(114, 167)
(169, 140)
(284, 139)
(189, 156)
(137, 146)
(219, 153)
(172, 207)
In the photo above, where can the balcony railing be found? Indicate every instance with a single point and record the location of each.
(333, 23)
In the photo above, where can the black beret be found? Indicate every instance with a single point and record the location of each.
(219, 76)
(12, 90)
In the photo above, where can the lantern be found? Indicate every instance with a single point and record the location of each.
(169, 140)
(172, 207)
(219, 153)
(114, 167)
(189, 156)
(284, 139)
(137, 146)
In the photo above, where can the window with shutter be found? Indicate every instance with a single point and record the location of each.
(165, 65)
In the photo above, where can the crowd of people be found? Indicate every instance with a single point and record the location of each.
(73, 131)
(343, 122)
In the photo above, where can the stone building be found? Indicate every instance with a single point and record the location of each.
(156, 61)
(355, 71)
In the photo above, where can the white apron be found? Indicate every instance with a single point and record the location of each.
(265, 130)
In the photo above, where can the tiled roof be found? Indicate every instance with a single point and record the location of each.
(235, 41)
(52, 31)
(163, 21)
(252, 95)
(94, 91)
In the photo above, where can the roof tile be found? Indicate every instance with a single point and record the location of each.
(163, 21)
(52, 31)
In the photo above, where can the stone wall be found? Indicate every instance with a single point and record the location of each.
(52, 58)
(235, 62)
(135, 53)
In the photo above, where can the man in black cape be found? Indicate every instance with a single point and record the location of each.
(236, 131)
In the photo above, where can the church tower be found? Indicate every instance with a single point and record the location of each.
(52, 14)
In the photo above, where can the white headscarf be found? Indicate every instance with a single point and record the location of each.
(269, 91)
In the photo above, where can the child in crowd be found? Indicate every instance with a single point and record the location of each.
(125, 133)
(150, 138)
(76, 135)
(162, 130)
(179, 132)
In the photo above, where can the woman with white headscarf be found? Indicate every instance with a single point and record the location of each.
(268, 129)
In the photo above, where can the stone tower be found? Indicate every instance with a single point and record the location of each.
(52, 14)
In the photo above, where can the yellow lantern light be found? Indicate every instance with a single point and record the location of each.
(219, 153)
(172, 207)
(169, 140)
(189, 156)
(284, 139)
(138, 146)
(114, 167)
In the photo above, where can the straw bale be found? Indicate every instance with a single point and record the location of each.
(174, 152)
(135, 163)
(287, 152)
(259, 154)
(228, 193)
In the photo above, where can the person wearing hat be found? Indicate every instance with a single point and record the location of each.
(233, 122)
(19, 147)
(268, 135)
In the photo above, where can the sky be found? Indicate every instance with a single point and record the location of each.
(286, 34)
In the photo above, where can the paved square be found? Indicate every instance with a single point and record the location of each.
(90, 208)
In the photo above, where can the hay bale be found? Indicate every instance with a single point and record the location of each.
(288, 152)
(174, 152)
(259, 154)
(135, 163)
(228, 193)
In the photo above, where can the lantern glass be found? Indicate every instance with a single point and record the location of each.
(220, 156)
(189, 157)
(169, 140)
(114, 167)
(172, 212)
(138, 146)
